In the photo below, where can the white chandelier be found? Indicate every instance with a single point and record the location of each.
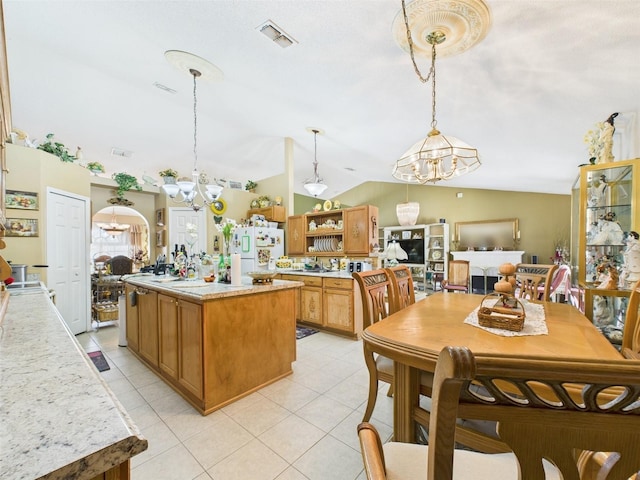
(439, 157)
(114, 228)
(187, 190)
(315, 186)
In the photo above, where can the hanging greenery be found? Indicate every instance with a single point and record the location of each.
(56, 148)
(125, 183)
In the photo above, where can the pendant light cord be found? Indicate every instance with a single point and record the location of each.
(195, 74)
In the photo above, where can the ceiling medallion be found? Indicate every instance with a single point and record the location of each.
(463, 22)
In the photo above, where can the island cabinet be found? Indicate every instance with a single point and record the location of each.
(329, 303)
(349, 231)
(213, 348)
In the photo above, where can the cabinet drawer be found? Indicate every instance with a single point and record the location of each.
(342, 283)
(307, 280)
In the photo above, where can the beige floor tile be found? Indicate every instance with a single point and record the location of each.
(214, 444)
(325, 413)
(292, 474)
(160, 439)
(131, 399)
(189, 422)
(289, 394)
(348, 393)
(154, 390)
(144, 416)
(174, 464)
(144, 378)
(317, 380)
(260, 416)
(330, 459)
(243, 403)
(292, 437)
(120, 385)
(253, 461)
(169, 405)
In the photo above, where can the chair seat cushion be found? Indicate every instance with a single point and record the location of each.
(406, 461)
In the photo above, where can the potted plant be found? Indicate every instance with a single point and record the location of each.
(125, 183)
(95, 167)
(168, 175)
(251, 186)
(56, 148)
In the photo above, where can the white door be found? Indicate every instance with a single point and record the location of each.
(178, 220)
(68, 257)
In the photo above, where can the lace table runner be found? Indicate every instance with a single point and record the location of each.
(534, 320)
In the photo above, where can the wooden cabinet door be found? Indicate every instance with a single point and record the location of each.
(132, 319)
(190, 335)
(311, 305)
(148, 325)
(296, 241)
(294, 278)
(338, 309)
(168, 335)
(360, 230)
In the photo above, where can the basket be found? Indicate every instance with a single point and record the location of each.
(507, 313)
(106, 312)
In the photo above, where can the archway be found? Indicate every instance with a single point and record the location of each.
(129, 236)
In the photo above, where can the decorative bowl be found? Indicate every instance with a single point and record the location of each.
(263, 275)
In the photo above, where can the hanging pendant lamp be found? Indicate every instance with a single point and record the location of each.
(437, 156)
(114, 228)
(189, 191)
(314, 186)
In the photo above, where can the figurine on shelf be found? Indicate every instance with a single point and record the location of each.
(597, 192)
(606, 231)
(631, 268)
(607, 277)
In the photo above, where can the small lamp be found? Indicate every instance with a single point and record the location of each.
(394, 252)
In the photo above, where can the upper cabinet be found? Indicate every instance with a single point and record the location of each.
(348, 231)
(607, 211)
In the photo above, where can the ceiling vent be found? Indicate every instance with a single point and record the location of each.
(119, 152)
(164, 87)
(276, 34)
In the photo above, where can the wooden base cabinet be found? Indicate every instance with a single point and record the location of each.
(338, 312)
(214, 352)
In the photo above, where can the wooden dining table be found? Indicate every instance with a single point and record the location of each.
(414, 336)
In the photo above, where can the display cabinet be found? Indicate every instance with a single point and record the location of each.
(607, 212)
(427, 248)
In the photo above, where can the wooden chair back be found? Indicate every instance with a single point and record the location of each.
(631, 332)
(120, 265)
(545, 408)
(533, 281)
(374, 290)
(402, 293)
(459, 277)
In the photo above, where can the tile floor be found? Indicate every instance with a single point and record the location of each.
(302, 427)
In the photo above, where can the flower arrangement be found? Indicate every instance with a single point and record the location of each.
(250, 186)
(227, 228)
(599, 143)
(169, 172)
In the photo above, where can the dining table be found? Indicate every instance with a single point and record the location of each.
(414, 336)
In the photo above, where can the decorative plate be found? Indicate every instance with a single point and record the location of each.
(263, 274)
(436, 255)
(218, 207)
(326, 206)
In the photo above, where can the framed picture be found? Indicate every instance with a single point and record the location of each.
(235, 185)
(21, 200)
(21, 227)
(160, 238)
(406, 235)
(160, 217)
(438, 267)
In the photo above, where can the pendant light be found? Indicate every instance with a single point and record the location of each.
(315, 186)
(440, 157)
(114, 228)
(189, 191)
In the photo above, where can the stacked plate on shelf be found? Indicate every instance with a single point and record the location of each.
(325, 244)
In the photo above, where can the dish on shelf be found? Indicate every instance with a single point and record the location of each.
(327, 205)
(436, 255)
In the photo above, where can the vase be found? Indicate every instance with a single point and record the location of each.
(169, 180)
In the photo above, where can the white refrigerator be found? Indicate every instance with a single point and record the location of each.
(257, 246)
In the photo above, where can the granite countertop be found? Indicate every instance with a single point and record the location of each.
(328, 273)
(58, 418)
(201, 290)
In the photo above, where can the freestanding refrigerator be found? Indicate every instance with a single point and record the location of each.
(257, 246)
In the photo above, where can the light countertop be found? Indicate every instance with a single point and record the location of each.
(58, 418)
(328, 273)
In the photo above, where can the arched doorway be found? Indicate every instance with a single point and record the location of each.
(117, 230)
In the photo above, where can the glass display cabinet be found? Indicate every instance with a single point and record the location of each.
(605, 208)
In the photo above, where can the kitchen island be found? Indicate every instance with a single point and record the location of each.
(213, 343)
(58, 418)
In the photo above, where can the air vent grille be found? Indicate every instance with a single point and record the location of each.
(276, 34)
(120, 152)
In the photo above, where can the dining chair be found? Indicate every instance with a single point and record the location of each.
(552, 413)
(631, 332)
(120, 265)
(459, 278)
(533, 281)
(402, 293)
(375, 286)
(560, 284)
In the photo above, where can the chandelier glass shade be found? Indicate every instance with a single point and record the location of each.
(314, 186)
(407, 213)
(114, 228)
(194, 192)
(437, 156)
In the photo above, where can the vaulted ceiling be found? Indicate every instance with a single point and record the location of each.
(525, 96)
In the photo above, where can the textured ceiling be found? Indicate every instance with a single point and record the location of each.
(547, 71)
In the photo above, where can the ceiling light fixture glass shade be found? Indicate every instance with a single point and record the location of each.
(185, 190)
(407, 213)
(438, 157)
(315, 186)
(114, 228)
